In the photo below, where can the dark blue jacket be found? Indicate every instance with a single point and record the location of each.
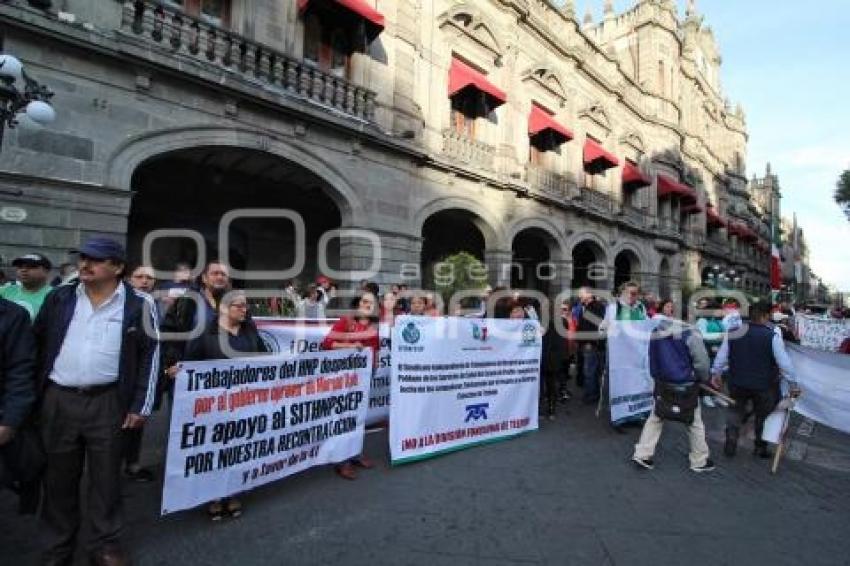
(138, 366)
(17, 364)
(751, 361)
(677, 354)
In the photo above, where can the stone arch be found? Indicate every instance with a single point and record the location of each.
(644, 264)
(483, 220)
(580, 246)
(627, 266)
(558, 249)
(131, 154)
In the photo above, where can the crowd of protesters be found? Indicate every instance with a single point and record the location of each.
(87, 357)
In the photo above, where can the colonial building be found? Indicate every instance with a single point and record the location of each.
(559, 151)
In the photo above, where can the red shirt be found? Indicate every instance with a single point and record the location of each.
(352, 330)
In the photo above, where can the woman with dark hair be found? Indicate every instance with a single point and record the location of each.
(666, 310)
(232, 335)
(357, 331)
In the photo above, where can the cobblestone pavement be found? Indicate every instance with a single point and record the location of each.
(566, 494)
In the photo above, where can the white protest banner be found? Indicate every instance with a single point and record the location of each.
(240, 423)
(824, 379)
(291, 335)
(630, 385)
(457, 382)
(822, 334)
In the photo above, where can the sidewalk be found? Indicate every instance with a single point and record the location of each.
(567, 494)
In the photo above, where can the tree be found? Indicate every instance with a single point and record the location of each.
(461, 271)
(842, 192)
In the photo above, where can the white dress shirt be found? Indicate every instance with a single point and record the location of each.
(91, 350)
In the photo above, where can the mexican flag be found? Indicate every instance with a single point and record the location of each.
(775, 257)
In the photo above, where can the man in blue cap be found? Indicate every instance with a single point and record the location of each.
(97, 369)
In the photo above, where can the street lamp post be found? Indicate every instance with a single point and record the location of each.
(32, 101)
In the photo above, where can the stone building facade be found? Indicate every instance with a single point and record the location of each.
(559, 151)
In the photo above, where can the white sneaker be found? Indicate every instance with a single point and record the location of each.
(708, 401)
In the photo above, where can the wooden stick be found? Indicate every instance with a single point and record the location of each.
(783, 438)
(717, 393)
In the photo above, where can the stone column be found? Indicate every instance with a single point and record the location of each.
(563, 277)
(498, 263)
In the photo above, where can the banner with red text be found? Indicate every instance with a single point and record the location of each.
(457, 382)
(240, 423)
(297, 336)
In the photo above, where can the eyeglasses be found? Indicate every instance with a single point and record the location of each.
(239, 305)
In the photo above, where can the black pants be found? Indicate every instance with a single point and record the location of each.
(132, 447)
(764, 401)
(81, 430)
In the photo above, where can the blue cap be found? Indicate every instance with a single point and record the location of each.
(102, 248)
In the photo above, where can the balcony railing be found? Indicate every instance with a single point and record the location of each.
(717, 247)
(459, 147)
(694, 240)
(668, 227)
(183, 35)
(596, 201)
(633, 216)
(554, 185)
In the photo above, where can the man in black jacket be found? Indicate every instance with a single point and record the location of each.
(192, 314)
(97, 370)
(17, 369)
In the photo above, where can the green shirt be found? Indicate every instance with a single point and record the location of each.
(625, 312)
(31, 301)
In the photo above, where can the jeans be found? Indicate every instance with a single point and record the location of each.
(590, 371)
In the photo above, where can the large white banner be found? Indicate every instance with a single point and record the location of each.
(630, 385)
(457, 382)
(820, 333)
(825, 381)
(240, 423)
(291, 335)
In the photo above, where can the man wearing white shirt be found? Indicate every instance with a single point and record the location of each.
(756, 359)
(98, 364)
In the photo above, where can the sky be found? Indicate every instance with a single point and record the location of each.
(786, 62)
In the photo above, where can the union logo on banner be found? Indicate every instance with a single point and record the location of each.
(479, 332)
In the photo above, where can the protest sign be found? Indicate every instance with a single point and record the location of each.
(630, 385)
(823, 378)
(820, 333)
(289, 335)
(240, 423)
(457, 382)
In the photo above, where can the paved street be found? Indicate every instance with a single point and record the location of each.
(564, 495)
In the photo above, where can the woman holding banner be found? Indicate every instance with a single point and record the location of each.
(233, 335)
(358, 331)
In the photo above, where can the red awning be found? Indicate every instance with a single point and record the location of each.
(540, 121)
(596, 159)
(373, 19)
(713, 218)
(633, 177)
(691, 209)
(462, 76)
(742, 231)
(667, 187)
